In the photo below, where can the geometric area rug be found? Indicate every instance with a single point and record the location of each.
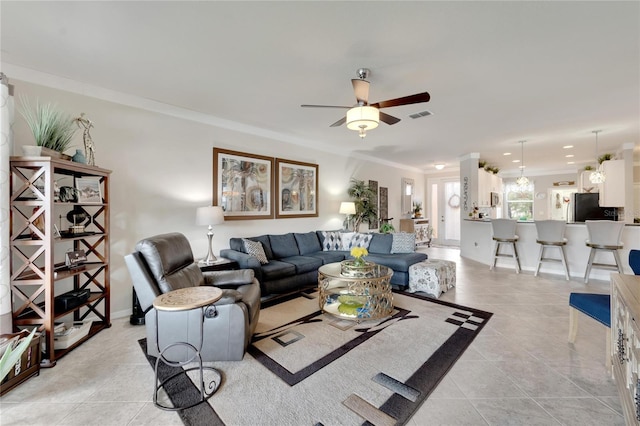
(304, 367)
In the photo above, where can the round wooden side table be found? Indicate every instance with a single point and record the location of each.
(185, 299)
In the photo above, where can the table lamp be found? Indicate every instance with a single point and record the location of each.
(211, 215)
(347, 208)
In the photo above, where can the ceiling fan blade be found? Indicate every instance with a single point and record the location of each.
(407, 100)
(361, 89)
(389, 119)
(325, 106)
(339, 122)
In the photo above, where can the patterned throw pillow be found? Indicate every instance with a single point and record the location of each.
(255, 249)
(361, 240)
(332, 241)
(403, 242)
(346, 239)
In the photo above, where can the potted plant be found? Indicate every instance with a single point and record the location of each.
(587, 168)
(604, 157)
(417, 209)
(52, 129)
(386, 228)
(365, 201)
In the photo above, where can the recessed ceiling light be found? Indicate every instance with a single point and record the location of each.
(507, 153)
(439, 166)
(571, 162)
(522, 167)
(515, 161)
(569, 156)
(567, 146)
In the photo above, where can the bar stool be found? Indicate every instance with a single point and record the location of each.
(604, 235)
(551, 234)
(504, 232)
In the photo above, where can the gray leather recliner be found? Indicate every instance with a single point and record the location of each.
(165, 262)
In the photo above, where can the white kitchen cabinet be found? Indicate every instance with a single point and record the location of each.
(612, 191)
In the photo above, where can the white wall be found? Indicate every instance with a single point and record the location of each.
(162, 170)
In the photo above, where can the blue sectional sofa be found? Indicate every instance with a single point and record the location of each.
(294, 259)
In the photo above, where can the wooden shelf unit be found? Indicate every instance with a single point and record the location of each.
(419, 226)
(38, 273)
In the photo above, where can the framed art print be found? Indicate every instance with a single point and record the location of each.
(88, 190)
(242, 184)
(296, 189)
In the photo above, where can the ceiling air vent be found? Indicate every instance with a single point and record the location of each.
(424, 113)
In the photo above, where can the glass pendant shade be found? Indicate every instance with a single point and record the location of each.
(598, 176)
(522, 181)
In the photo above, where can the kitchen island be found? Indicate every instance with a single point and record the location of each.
(477, 244)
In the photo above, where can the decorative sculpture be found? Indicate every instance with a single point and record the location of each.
(89, 148)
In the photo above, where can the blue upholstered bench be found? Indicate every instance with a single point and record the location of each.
(598, 307)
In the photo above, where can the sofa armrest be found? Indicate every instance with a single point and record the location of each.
(244, 260)
(228, 279)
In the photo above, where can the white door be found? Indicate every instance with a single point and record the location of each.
(445, 214)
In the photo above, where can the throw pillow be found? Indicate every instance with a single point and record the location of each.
(255, 249)
(361, 240)
(332, 241)
(403, 242)
(346, 239)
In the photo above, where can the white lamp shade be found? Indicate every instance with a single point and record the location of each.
(211, 215)
(363, 118)
(347, 207)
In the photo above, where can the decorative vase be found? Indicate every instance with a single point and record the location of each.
(79, 157)
(354, 269)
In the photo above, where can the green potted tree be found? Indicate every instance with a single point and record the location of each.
(52, 129)
(365, 201)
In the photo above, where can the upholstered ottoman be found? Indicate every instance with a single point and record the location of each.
(432, 276)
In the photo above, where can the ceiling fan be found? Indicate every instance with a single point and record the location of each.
(364, 116)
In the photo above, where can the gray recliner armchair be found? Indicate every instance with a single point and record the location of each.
(164, 263)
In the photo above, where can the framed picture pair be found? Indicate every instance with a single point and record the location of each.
(249, 186)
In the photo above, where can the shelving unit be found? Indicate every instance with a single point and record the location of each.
(38, 271)
(419, 226)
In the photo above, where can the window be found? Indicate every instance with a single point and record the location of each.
(519, 201)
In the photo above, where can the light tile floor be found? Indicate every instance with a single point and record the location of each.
(520, 370)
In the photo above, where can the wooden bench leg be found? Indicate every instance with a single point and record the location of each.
(573, 324)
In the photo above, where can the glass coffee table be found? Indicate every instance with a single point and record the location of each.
(355, 296)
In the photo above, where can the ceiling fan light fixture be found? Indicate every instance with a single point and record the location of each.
(363, 118)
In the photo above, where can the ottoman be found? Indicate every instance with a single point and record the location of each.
(432, 276)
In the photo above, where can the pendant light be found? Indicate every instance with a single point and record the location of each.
(598, 176)
(522, 181)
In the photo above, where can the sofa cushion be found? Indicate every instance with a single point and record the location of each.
(255, 249)
(303, 263)
(397, 262)
(307, 242)
(403, 242)
(237, 244)
(380, 243)
(332, 240)
(283, 246)
(330, 256)
(277, 269)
